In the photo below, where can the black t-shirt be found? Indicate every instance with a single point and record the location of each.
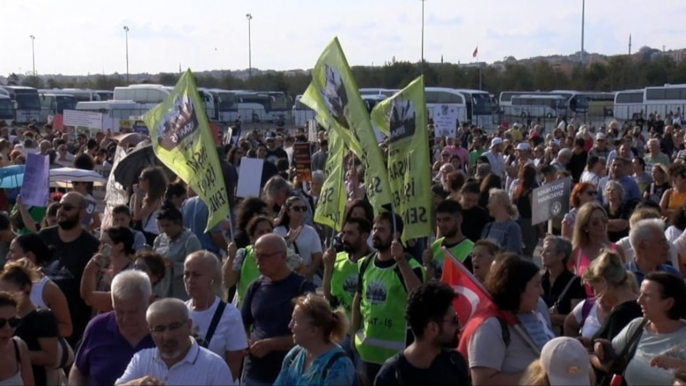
(618, 319)
(437, 189)
(39, 323)
(623, 213)
(241, 239)
(577, 164)
(473, 222)
(448, 368)
(66, 269)
(551, 295)
(269, 170)
(276, 154)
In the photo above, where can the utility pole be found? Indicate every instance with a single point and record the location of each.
(33, 54)
(249, 17)
(629, 44)
(422, 64)
(583, 17)
(126, 32)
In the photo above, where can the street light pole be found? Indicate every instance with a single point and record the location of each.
(126, 32)
(583, 17)
(33, 54)
(249, 17)
(422, 64)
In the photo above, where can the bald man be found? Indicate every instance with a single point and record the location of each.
(73, 247)
(267, 308)
(177, 359)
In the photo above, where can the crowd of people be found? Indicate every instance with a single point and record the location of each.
(143, 295)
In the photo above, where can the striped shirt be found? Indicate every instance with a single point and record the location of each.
(199, 367)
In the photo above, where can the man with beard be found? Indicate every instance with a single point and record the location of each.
(340, 270)
(431, 359)
(448, 217)
(385, 278)
(177, 359)
(73, 247)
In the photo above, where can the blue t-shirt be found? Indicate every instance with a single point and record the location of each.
(195, 214)
(631, 266)
(267, 308)
(340, 372)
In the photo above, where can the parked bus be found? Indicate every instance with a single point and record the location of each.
(153, 94)
(665, 100)
(472, 105)
(52, 104)
(600, 104)
(6, 109)
(25, 101)
(537, 106)
(576, 102)
(81, 95)
(628, 104)
(116, 109)
(386, 92)
(302, 113)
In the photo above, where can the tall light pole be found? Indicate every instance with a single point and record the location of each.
(249, 17)
(126, 32)
(583, 17)
(422, 64)
(33, 54)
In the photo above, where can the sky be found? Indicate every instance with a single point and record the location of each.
(78, 37)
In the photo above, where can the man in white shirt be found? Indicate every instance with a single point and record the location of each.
(495, 157)
(178, 359)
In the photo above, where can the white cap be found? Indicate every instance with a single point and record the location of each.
(600, 137)
(496, 141)
(565, 361)
(522, 146)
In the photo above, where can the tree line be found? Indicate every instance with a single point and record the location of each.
(616, 73)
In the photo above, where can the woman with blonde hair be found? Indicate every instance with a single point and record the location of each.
(504, 230)
(590, 237)
(316, 358)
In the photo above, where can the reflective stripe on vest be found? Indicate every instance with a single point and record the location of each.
(385, 344)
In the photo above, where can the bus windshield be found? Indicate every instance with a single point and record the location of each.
(579, 103)
(226, 101)
(65, 103)
(280, 101)
(6, 109)
(482, 104)
(28, 101)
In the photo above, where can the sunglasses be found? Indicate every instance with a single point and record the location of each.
(66, 207)
(13, 322)
(299, 208)
(592, 193)
(445, 155)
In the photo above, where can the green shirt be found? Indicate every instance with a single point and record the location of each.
(475, 154)
(344, 281)
(460, 251)
(37, 214)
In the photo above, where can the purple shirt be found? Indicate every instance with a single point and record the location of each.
(104, 353)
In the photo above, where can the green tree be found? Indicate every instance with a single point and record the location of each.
(32, 81)
(13, 80)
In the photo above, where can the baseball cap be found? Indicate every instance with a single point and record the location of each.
(270, 135)
(600, 137)
(496, 141)
(522, 146)
(565, 361)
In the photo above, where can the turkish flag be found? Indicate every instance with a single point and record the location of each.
(473, 297)
(476, 52)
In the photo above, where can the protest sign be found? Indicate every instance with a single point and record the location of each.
(302, 159)
(250, 177)
(550, 200)
(35, 189)
(182, 140)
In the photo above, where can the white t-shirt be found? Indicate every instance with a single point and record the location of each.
(229, 334)
(629, 253)
(592, 323)
(308, 242)
(591, 178)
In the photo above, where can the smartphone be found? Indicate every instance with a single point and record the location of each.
(105, 252)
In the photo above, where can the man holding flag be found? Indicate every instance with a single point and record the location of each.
(448, 217)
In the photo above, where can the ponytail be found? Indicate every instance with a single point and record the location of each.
(339, 325)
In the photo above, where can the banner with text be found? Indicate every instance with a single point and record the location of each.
(331, 202)
(403, 117)
(35, 190)
(333, 94)
(182, 140)
(302, 159)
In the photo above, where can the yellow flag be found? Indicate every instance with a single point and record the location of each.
(182, 140)
(403, 117)
(335, 97)
(331, 202)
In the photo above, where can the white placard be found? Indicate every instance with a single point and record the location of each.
(87, 119)
(250, 177)
(445, 121)
(312, 131)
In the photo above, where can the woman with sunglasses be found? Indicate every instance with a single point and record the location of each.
(660, 184)
(582, 193)
(115, 255)
(38, 327)
(301, 237)
(14, 354)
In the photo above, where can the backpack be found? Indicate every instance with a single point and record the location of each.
(329, 364)
(586, 310)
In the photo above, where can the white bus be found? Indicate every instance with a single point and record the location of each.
(537, 106)
(386, 92)
(81, 95)
(52, 104)
(472, 105)
(25, 101)
(302, 113)
(664, 100)
(576, 101)
(628, 104)
(6, 109)
(151, 95)
(115, 109)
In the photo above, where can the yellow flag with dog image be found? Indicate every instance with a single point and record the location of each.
(182, 140)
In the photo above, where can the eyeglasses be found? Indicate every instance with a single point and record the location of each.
(66, 207)
(13, 322)
(592, 193)
(299, 208)
(171, 328)
(265, 255)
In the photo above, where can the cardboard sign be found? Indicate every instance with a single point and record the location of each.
(550, 200)
(250, 177)
(302, 159)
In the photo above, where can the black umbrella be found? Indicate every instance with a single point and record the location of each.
(128, 169)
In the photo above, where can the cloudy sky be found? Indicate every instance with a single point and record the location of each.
(80, 37)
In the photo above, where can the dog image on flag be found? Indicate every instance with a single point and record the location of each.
(402, 119)
(178, 123)
(335, 95)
